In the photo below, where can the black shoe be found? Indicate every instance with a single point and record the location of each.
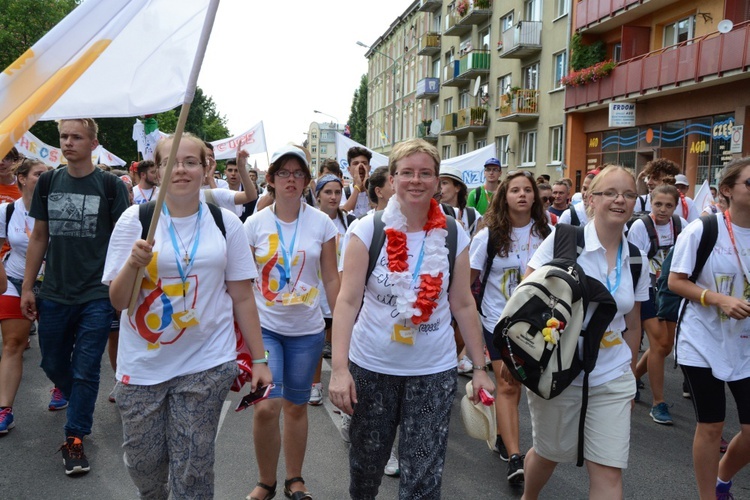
(515, 469)
(73, 456)
(500, 449)
(327, 350)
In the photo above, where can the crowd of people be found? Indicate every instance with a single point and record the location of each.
(281, 271)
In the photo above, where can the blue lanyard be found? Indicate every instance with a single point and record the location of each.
(184, 272)
(618, 272)
(287, 253)
(415, 274)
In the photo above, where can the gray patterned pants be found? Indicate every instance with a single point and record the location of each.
(421, 407)
(169, 431)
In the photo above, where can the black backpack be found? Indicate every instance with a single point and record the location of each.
(574, 219)
(146, 212)
(637, 214)
(654, 238)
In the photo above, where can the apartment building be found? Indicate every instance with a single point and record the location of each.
(473, 73)
(321, 141)
(682, 66)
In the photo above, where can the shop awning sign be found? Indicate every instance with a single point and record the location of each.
(622, 114)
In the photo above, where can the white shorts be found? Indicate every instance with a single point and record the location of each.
(607, 428)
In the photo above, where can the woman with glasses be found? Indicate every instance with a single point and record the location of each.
(14, 325)
(294, 247)
(712, 346)
(515, 226)
(606, 258)
(177, 350)
(394, 360)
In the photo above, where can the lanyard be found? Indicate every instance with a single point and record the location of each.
(287, 253)
(190, 260)
(143, 194)
(618, 272)
(415, 274)
(728, 220)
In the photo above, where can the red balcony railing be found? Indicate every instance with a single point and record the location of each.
(688, 62)
(591, 11)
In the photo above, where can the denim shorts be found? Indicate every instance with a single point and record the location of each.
(292, 361)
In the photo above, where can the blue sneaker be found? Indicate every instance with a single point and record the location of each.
(660, 414)
(722, 491)
(6, 420)
(57, 401)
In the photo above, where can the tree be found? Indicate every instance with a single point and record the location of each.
(358, 116)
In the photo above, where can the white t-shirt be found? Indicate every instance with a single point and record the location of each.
(434, 348)
(638, 235)
(614, 353)
(506, 272)
(709, 338)
(314, 229)
(144, 195)
(223, 198)
(363, 202)
(17, 233)
(580, 209)
(692, 212)
(463, 221)
(153, 348)
(220, 184)
(339, 242)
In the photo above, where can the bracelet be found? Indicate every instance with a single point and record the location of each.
(703, 297)
(261, 361)
(480, 368)
(357, 188)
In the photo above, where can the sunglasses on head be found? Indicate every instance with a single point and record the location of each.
(514, 173)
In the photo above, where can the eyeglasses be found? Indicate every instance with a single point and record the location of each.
(188, 164)
(285, 174)
(746, 183)
(546, 199)
(492, 169)
(611, 194)
(424, 175)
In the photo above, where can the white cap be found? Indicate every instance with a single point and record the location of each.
(452, 173)
(681, 180)
(290, 150)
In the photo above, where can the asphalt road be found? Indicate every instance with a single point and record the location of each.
(660, 457)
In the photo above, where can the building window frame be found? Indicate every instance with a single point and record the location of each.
(528, 148)
(556, 145)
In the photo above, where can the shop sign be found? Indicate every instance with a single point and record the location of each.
(622, 114)
(736, 139)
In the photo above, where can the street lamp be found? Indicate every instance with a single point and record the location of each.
(393, 81)
(330, 116)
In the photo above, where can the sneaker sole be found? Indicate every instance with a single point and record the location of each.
(392, 473)
(315, 403)
(76, 470)
(516, 477)
(13, 425)
(57, 408)
(504, 459)
(662, 422)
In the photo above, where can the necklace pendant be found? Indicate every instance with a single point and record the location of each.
(186, 259)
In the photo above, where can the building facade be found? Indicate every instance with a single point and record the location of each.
(321, 141)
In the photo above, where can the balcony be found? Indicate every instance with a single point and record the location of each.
(423, 132)
(429, 44)
(452, 75)
(469, 120)
(598, 16)
(474, 63)
(519, 105)
(428, 88)
(522, 41)
(449, 122)
(477, 12)
(430, 5)
(703, 60)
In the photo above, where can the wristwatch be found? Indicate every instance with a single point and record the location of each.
(482, 368)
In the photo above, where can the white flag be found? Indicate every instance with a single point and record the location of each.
(343, 144)
(253, 141)
(703, 197)
(471, 164)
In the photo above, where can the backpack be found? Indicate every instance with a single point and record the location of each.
(668, 303)
(110, 186)
(542, 358)
(477, 192)
(574, 219)
(146, 213)
(637, 214)
(654, 238)
(491, 253)
(378, 240)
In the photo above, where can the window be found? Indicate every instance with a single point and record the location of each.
(436, 68)
(617, 52)
(503, 86)
(484, 39)
(560, 69)
(323, 150)
(556, 144)
(436, 20)
(314, 149)
(506, 22)
(531, 77)
(532, 10)
(448, 105)
(561, 8)
(679, 32)
(315, 135)
(501, 144)
(463, 148)
(324, 136)
(446, 152)
(435, 111)
(480, 144)
(463, 100)
(528, 148)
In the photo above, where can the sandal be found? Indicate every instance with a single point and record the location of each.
(297, 495)
(270, 489)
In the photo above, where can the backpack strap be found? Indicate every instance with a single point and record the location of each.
(146, 212)
(643, 202)
(652, 236)
(8, 214)
(110, 186)
(636, 264)
(574, 219)
(491, 252)
(447, 209)
(677, 225)
(477, 192)
(348, 192)
(43, 185)
(569, 242)
(471, 217)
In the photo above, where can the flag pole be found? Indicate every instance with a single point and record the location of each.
(189, 95)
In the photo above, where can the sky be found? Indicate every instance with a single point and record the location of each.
(276, 62)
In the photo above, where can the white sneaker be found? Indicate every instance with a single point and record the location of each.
(316, 394)
(391, 468)
(345, 421)
(465, 365)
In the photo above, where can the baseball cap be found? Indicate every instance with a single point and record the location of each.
(681, 180)
(452, 173)
(290, 150)
(493, 161)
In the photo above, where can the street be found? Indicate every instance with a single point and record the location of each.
(660, 457)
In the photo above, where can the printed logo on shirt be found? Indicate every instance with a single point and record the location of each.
(72, 214)
(273, 279)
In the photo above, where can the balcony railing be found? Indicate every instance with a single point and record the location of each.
(452, 75)
(474, 63)
(427, 88)
(519, 105)
(689, 62)
(523, 40)
(591, 12)
(423, 132)
(429, 44)
(453, 26)
(474, 118)
(430, 5)
(449, 122)
(478, 11)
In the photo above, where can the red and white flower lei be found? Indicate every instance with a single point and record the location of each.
(420, 305)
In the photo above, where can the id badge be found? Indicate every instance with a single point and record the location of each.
(184, 319)
(291, 299)
(403, 335)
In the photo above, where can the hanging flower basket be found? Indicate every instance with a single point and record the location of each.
(591, 74)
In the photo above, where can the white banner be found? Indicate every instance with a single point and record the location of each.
(343, 144)
(101, 155)
(472, 165)
(32, 147)
(253, 141)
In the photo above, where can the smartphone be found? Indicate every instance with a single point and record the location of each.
(259, 394)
